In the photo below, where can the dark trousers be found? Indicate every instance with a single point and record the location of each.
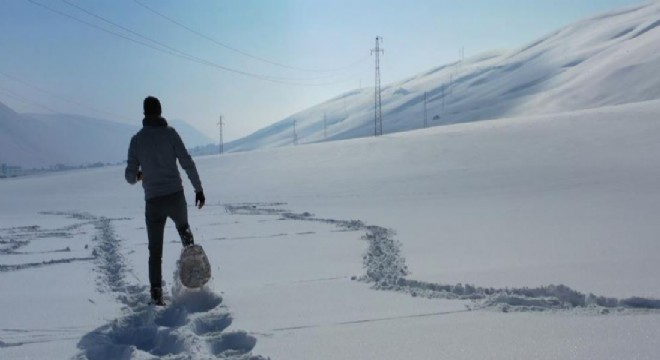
(157, 210)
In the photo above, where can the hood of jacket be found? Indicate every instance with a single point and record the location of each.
(154, 121)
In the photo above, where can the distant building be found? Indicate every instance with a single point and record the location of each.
(10, 171)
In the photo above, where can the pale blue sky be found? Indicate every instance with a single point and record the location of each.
(51, 62)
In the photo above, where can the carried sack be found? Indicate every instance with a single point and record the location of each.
(194, 267)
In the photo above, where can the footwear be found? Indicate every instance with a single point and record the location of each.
(157, 296)
(187, 238)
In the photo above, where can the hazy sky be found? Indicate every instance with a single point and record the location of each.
(252, 61)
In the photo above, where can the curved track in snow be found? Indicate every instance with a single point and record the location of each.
(385, 269)
(192, 326)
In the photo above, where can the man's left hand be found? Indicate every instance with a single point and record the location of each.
(199, 199)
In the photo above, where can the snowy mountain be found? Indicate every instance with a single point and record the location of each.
(15, 147)
(32, 140)
(604, 60)
(191, 136)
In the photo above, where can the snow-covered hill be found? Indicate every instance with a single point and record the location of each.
(35, 140)
(609, 59)
(16, 147)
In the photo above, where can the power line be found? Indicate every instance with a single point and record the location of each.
(186, 55)
(99, 28)
(68, 2)
(177, 23)
(174, 52)
(58, 96)
(29, 101)
(122, 27)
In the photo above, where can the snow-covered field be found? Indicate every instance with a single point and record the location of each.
(568, 199)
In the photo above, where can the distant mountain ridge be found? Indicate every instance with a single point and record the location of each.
(38, 140)
(609, 59)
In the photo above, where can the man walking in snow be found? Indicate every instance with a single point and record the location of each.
(152, 157)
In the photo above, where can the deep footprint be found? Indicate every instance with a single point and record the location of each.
(211, 323)
(173, 316)
(197, 301)
(232, 343)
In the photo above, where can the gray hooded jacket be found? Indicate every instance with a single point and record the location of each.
(154, 150)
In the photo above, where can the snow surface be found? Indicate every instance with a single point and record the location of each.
(355, 249)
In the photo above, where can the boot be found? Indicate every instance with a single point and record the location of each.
(187, 237)
(157, 296)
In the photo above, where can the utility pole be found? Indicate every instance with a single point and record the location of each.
(378, 114)
(443, 96)
(345, 111)
(325, 127)
(295, 135)
(221, 144)
(461, 57)
(426, 124)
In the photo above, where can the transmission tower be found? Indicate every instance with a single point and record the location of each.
(426, 124)
(345, 111)
(443, 96)
(325, 126)
(378, 114)
(295, 134)
(221, 144)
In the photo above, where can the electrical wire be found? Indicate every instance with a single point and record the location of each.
(219, 43)
(180, 54)
(28, 101)
(58, 96)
